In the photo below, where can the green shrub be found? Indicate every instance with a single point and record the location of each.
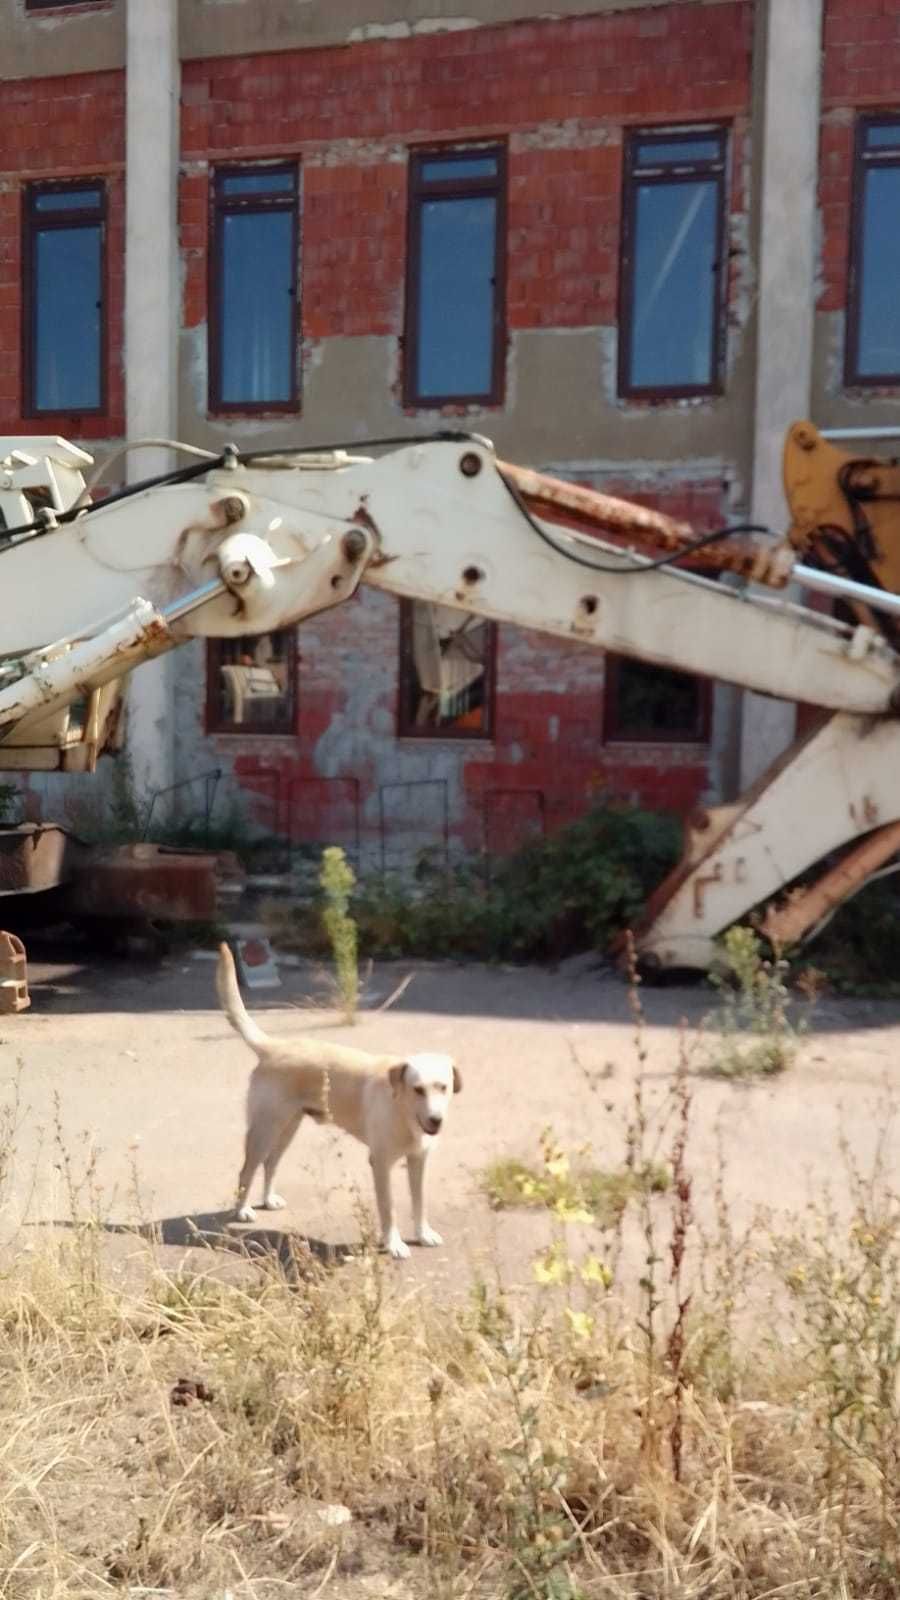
(571, 892)
(751, 1036)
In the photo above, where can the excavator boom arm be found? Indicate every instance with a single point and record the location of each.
(245, 545)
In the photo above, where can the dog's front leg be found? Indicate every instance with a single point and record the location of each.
(390, 1233)
(415, 1167)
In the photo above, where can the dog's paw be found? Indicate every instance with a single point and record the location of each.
(273, 1202)
(427, 1236)
(396, 1247)
(245, 1214)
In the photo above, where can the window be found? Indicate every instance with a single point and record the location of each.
(251, 684)
(670, 315)
(455, 277)
(873, 324)
(55, 5)
(253, 290)
(653, 704)
(447, 661)
(64, 292)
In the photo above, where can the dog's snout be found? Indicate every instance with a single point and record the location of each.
(433, 1124)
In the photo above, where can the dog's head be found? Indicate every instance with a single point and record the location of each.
(426, 1083)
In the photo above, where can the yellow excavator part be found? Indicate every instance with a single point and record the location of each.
(845, 515)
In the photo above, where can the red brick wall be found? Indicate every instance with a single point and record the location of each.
(861, 71)
(350, 113)
(74, 128)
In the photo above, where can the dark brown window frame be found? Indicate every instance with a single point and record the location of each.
(62, 5)
(405, 730)
(217, 724)
(220, 204)
(32, 223)
(637, 174)
(454, 189)
(863, 160)
(615, 733)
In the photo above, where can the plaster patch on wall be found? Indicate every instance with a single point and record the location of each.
(367, 31)
(575, 133)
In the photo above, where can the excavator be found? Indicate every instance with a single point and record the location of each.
(247, 541)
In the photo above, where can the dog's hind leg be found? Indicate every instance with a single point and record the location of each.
(283, 1136)
(255, 1149)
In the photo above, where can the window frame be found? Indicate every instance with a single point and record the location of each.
(220, 725)
(220, 205)
(614, 732)
(634, 175)
(419, 188)
(32, 223)
(406, 664)
(61, 5)
(863, 161)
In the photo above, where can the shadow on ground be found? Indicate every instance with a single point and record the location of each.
(291, 1251)
(582, 990)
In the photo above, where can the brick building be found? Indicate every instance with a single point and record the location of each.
(619, 241)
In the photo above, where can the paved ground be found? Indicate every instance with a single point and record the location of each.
(143, 1067)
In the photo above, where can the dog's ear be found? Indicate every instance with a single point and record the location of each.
(397, 1074)
(457, 1079)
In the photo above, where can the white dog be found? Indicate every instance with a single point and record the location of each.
(396, 1107)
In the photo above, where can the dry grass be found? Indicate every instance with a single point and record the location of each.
(727, 1429)
(500, 1448)
(479, 1452)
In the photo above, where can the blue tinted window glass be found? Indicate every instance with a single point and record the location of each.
(456, 296)
(459, 167)
(67, 200)
(261, 182)
(879, 302)
(258, 333)
(883, 135)
(674, 285)
(67, 313)
(677, 152)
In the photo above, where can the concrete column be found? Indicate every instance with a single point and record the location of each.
(151, 322)
(788, 56)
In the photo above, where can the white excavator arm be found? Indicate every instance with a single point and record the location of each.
(243, 544)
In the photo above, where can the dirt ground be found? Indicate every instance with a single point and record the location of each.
(134, 1059)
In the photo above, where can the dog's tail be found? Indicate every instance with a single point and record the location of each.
(232, 1004)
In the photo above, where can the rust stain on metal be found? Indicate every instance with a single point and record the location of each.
(145, 882)
(583, 510)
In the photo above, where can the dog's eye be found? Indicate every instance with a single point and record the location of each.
(419, 1089)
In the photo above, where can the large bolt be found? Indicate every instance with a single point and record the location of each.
(354, 544)
(470, 464)
(233, 507)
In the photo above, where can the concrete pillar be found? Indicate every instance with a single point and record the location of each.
(151, 322)
(788, 56)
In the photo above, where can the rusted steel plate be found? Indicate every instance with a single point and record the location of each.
(144, 882)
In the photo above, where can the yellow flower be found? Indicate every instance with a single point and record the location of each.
(551, 1268)
(593, 1271)
(581, 1323)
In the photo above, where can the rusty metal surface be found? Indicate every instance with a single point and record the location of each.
(583, 510)
(804, 908)
(145, 882)
(34, 858)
